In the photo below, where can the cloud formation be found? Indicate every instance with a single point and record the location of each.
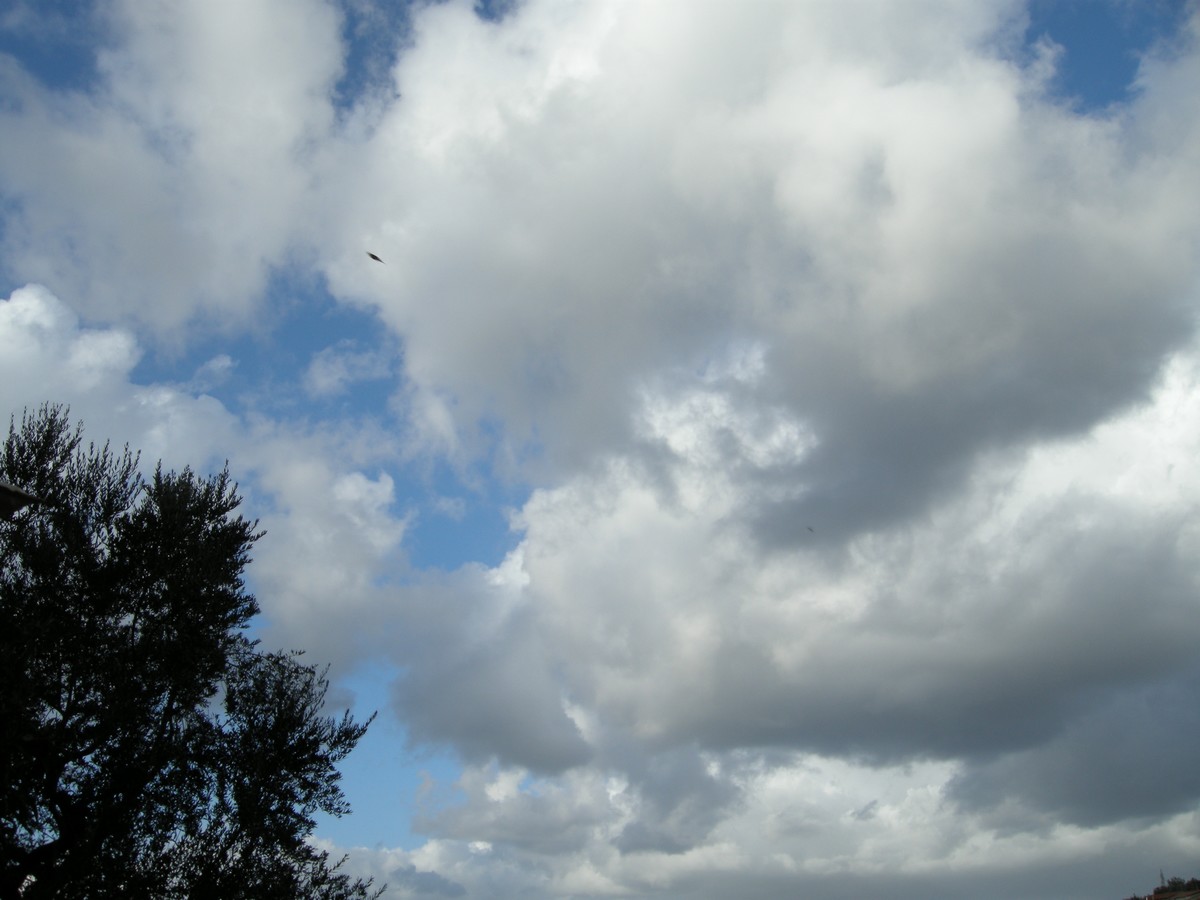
(854, 373)
(170, 192)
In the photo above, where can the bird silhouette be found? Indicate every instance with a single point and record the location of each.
(374, 257)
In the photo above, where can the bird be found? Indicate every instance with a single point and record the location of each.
(374, 257)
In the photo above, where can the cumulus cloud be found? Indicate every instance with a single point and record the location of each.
(49, 355)
(885, 357)
(171, 192)
(329, 524)
(921, 707)
(856, 374)
(982, 626)
(938, 260)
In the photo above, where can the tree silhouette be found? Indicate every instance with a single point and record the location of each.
(153, 750)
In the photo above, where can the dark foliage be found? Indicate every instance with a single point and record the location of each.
(152, 749)
(1170, 888)
(1177, 885)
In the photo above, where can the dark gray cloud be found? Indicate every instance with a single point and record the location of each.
(1130, 755)
(969, 651)
(1118, 876)
(554, 820)
(681, 799)
(1105, 599)
(1033, 332)
(496, 698)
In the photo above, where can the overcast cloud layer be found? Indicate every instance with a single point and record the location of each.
(851, 370)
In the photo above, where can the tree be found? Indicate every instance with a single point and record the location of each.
(1176, 884)
(153, 749)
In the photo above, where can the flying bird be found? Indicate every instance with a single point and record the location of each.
(374, 257)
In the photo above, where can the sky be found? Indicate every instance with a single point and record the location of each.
(763, 462)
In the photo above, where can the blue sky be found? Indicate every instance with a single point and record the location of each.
(762, 464)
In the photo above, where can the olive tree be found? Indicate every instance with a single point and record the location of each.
(153, 749)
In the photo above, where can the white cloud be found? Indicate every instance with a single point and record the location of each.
(989, 615)
(332, 530)
(212, 373)
(570, 203)
(960, 701)
(171, 192)
(808, 824)
(857, 375)
(48, 355)
(929, 704)
(332, 370)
